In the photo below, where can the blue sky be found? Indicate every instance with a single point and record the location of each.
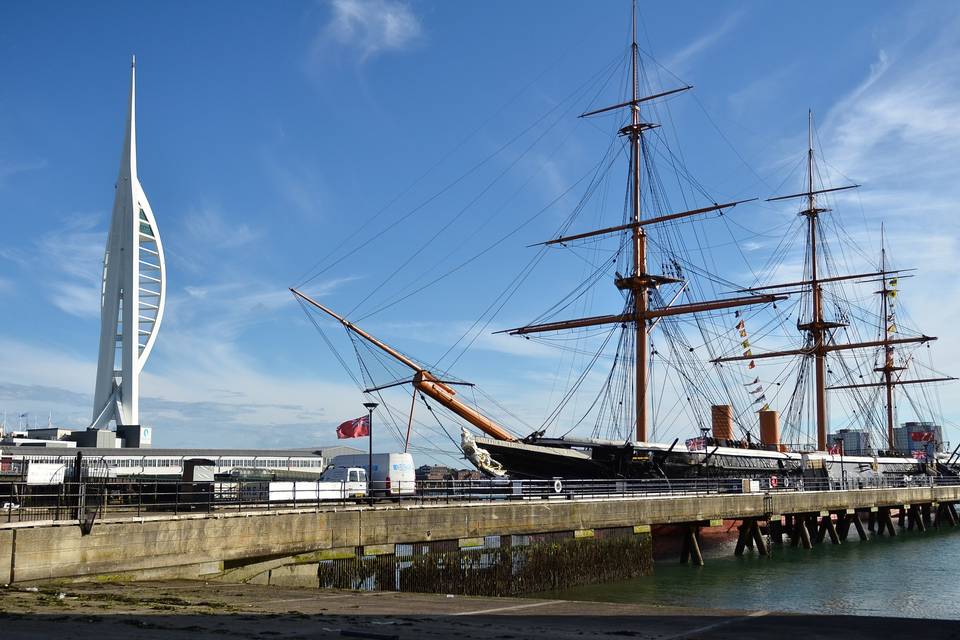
(268, 133)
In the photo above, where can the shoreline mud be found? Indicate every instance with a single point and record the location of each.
(201, 610)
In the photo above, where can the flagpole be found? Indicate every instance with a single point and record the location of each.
(370, 407)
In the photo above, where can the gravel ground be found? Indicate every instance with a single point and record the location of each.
(197, 610)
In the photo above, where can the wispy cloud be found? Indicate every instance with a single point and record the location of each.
(898, 133)
(70, 261)
(9, 169)
(301, 187)
(679, 61)
(363, 29)
(209, 226)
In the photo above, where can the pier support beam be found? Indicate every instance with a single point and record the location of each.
(885, 522)
(946, 514)
(827, 527)
(749, 536)
(691, 546)
(775, 527)
(915, 517)
(800, 532)
(858, 524)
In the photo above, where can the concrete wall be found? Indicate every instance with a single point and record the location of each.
(6, 556)
(193, 545)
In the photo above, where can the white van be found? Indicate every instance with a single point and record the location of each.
(393, 473)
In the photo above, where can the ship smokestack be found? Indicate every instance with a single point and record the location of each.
(770, 430)
(722, 419)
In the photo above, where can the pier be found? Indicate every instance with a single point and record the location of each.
(370, 545)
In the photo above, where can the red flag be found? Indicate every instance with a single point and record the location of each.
(356, 428)
(922, 436)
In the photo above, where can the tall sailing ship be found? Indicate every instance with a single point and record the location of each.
(724, 390)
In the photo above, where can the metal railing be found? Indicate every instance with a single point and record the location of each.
(99, 498)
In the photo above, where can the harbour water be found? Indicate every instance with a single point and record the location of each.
(911, 576)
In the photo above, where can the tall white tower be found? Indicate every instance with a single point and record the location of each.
(132, 296)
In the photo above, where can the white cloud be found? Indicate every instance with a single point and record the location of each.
(366, 28)
(208, 226)
(70, 262)
(10, 169)
(898, 133)
(679, 61)
(299, 185)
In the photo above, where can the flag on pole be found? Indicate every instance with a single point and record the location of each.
(741, 325)
(356, 428)
(743, 333)
(751, 365)
(745, 344)
(748, 353)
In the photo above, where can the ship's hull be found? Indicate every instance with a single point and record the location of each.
(588, 459)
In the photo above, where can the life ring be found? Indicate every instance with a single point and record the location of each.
(773, 482)
(557, 486)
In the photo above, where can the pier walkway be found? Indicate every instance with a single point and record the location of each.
(291, 543)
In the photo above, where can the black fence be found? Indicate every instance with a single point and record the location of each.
(139, 497)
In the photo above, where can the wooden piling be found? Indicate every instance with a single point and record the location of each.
(843, 525)
(915, 516)
(758, 538)
(831, 529)
(775, 525)
(741, 540)
(886, 522)
(690, 552)
(950, 513)
(859, 526)
(804, 534)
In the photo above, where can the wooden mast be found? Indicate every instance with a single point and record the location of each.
(816, 326)
(639, 282)
(888, 366)
(640, 295)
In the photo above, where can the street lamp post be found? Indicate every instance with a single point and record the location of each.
(843, 471)
(370, 407)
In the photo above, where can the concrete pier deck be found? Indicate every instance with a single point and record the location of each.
(199, 545)
(182, 609)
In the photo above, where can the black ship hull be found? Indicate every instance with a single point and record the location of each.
(599, 459)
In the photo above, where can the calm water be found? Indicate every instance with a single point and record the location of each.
(912, 575)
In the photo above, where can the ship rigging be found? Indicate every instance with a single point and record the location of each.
(658, 301)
